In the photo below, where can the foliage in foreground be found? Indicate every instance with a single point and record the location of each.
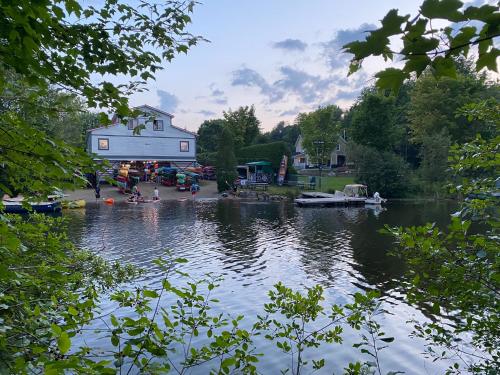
(457, 272)
(170, 329)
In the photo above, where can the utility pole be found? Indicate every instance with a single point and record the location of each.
(319, 143)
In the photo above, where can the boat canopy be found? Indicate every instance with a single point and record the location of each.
(355, 190)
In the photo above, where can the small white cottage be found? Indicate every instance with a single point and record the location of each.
(158, 141)
(338, 157)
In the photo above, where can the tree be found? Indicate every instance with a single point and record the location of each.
(226, 161)
(373, 122)
(49, 288)
(425, 47)
(434, 163)
(208, 135)
(434, 104)
(322, 125)
(382, 171)
(454, 271)
(243, 124)
(78, 45)
(285, 133)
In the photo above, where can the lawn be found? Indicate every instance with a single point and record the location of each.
(328, 184)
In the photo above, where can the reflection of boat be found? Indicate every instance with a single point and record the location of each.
(15, 205)
(355, 194)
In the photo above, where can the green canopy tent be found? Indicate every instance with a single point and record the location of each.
(260, 171)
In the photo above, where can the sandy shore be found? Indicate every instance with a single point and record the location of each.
(208, 189)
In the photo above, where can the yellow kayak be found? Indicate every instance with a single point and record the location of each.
(74, 204)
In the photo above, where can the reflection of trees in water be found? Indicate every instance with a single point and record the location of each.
(325, 248)
(345, 241)
(245, 230)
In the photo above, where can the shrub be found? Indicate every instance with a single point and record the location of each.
(272, 152)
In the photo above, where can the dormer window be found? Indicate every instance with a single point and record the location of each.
(132, 123)
(158, 125)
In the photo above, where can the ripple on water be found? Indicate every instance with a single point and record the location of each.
(256, 245)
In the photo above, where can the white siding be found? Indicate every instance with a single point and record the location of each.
(148, 145)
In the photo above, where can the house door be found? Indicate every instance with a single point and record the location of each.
(340, 160)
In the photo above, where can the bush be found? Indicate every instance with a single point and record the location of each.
(382, 171)
(272, 152)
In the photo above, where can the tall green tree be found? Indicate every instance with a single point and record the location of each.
(373, 122)
(285, 133)
(208, 135)
(243, 124)
(434, 105)
(321, 125)
(226, 161)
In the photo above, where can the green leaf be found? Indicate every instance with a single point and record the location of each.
(391, 79)
(72, 311)
(417, 64)
(488, 60)
(63, 342)
(443, 67)
(444, 9)
(150, 293)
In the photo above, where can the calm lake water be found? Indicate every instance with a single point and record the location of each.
(254, 245)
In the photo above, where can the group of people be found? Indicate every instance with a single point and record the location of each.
(151, 172)
(137, 196)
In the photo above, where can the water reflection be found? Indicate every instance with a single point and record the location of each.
(254, 245)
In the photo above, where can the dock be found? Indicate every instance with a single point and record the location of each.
(316, 198)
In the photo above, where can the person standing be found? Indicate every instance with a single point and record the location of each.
(156, 194)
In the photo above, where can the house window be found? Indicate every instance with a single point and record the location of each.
(132, 123)
(184, 146)
(338, 147)
(103, 143)
(302, 160)
(158, 125)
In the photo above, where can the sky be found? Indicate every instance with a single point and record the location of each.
(282, 56)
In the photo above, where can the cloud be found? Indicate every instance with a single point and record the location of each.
(251, 78)
(307, 87)
(332, 50)
(291, 45)
(168, 101)
(207, 113)
(347, 95)
(290, 112)
(217, 95)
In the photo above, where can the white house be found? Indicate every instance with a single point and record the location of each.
(338, 156)
(158, 141)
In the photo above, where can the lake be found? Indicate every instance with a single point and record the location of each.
(253, 245)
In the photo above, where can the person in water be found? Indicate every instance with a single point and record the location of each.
(156, 194)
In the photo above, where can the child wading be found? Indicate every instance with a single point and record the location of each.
(156, 194)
